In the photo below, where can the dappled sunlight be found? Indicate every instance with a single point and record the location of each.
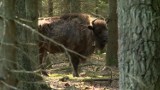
(92, 74)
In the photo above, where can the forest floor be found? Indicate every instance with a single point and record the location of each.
(93, 74)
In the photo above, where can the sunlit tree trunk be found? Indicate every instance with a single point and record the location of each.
(139, 44)
(7, 44)
(112, 45)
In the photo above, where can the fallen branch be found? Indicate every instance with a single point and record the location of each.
(99, 79)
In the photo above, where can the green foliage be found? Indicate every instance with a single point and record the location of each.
(99, 7)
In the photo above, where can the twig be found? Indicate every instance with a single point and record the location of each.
(99, 79)
(12, 87)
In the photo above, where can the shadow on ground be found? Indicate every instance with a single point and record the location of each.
(94, 75)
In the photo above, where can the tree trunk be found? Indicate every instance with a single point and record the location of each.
(139, 44)
(75, 6)
(27, 53)
(112, 45)
(50, 8)
(72, 6)
(40, 8)
(7, 44)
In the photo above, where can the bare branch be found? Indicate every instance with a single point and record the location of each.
(12, 87)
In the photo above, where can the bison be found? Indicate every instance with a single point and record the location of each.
(81, 33)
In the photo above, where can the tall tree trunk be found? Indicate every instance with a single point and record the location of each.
(75, 6)
(7, 44)
(40, 8)
(112, 45)
(50, 7)
(72, 6)
(139, 44)
(27, 53)
(66, 4)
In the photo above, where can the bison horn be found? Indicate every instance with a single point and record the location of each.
(93, 22)
(107, 20)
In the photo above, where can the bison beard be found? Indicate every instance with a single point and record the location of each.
(78, 32)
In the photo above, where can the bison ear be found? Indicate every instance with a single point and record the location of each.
(90, 27)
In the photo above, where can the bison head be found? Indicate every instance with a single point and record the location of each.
(100, 32)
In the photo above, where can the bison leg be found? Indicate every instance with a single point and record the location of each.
(42, 56)
(75, 63)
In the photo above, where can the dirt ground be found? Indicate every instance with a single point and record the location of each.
(93, 74)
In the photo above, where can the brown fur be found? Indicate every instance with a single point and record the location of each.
(75, 33)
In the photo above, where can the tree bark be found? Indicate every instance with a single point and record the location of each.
(27, 52)
(7, 45)
(139, 44)
(112, 45)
